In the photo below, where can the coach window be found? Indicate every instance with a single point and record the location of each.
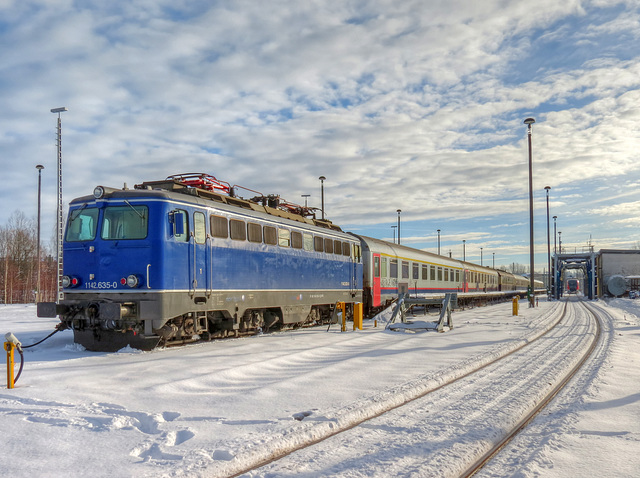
(432, 272)
(238, 230)
(296, 240)
(405, 270)
(385, 267)
(199, 227)
(254, 232)
(328, 246)
(446, 275)
(393, 268)
(219, 226)
(416, 271)
(457, 275)
(284, 237)
(440, 274)
(307, 239)
(318, 244)
(270, 236)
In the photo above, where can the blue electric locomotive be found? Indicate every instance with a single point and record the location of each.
(181, 259)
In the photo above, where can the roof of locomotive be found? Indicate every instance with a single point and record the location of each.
(178, 192)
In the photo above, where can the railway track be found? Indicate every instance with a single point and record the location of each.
(455, 428)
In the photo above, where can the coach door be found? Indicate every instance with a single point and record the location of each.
(376, 280)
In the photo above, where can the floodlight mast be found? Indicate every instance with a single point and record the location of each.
(60, 294)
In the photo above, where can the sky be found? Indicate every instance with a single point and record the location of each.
(408, 105)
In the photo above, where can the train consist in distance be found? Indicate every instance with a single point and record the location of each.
(186, 258)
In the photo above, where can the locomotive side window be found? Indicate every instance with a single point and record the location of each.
(284, 238)
(254, 232)
(82, 225)
(125, 222)
(296, 240)
(318, 244)
(270, 236)
(199, 227)
(328, 246)
(308, 241)
(219, 227)
(346, 249)
(337, 247)
(238, 230)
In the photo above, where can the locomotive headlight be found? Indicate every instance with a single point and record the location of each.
(98, 192)
(68, 281)
(132, 281)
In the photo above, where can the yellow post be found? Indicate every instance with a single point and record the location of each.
(515, 305)
(357, 315)
(342, 306)
(8, 346)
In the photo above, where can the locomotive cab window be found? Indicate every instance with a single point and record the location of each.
(82, 224)
(125, 222)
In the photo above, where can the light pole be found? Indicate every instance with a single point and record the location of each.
(39, 167)
(494, 259)
(399, 211)
(60, 295)
(547, 188)
(322, 178)
(481, 256)
(438, 241)
(555, 258)
(464, 250)
(559, 242)
(529, 122)
(394, 233)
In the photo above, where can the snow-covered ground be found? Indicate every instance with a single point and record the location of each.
(202, 410)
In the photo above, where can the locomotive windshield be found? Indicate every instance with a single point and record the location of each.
(82, 225)
(125, 222)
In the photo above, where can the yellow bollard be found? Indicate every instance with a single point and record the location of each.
(343, 307)
(357, 315)
(515, 305)
(8, 346)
